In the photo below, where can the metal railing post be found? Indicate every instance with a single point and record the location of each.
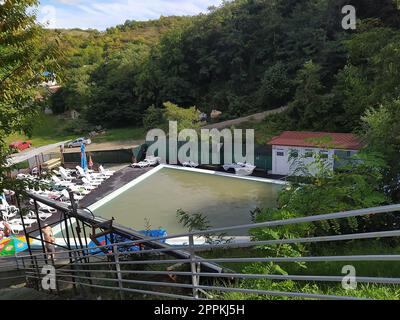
(193, 267)
(38, 286)
(71, 261)
(40, 231)
(118, 269)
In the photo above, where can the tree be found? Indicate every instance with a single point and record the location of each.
(275, 87)
(187, 118)
(153, 118)
(310, 107)
(113, 100)
(381, 131)
(23, 60)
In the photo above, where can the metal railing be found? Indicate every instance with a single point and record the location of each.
(140, 266)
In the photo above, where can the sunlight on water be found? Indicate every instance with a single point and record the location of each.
(224, 201)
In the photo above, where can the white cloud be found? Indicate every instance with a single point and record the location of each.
(101, 14)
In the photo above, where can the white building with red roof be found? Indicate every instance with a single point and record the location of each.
(292, 148)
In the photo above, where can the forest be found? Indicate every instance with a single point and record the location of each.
(243, 57)
(240, 58)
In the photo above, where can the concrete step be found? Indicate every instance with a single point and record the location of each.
(20, 292)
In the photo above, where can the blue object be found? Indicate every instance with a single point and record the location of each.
(106, 240)
(84, 163)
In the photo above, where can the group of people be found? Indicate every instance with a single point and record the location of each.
(48, 237)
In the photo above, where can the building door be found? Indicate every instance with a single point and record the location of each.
(281, 158)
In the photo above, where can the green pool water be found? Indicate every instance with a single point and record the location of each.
(225, 201)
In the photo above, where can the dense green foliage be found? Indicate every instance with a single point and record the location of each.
(23, 59)
(245, 56)
(354, 186)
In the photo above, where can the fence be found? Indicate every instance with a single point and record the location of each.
(262, 154)
(135, 266)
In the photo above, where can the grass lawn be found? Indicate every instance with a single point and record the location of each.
(50, 129)
(121, 134)
(47, 130)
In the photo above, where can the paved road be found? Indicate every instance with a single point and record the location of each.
(258, 117)
(114, 145)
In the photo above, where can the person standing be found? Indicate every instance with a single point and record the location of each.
(50, 241)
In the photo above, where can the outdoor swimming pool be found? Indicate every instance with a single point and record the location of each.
(153, 199)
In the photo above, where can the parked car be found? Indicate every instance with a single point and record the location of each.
(78, 142)
(20, 145)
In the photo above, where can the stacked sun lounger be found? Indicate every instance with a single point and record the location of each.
(148, 162)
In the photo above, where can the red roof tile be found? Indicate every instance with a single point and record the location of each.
(307, 139)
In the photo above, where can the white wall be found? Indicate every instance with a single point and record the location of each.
(282, 165)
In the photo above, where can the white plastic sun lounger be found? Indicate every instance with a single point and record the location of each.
(245, 171)
(91, 183)
(153, 159)
(45, 208)
(62, 183)
(141, 164)
(16, 228)
(8, 214)
(190, 164)
(83, 173)
(27, 221)
(65, 175)
(42, 215)
(105, 172)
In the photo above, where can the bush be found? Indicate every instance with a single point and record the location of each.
(153, 118)
(79, 126)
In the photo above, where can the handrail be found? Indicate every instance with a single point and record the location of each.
(125, 232)
(82, 266)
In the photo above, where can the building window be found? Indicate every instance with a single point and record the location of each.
(309, 153)
(294, 153)
(324, 154)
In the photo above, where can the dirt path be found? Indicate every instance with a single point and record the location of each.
(258, 117)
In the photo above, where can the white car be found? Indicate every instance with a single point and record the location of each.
(78, 142)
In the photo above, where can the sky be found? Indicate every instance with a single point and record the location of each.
(101, 14)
